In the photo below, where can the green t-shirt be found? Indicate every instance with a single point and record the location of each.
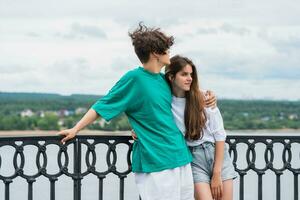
(145, 98)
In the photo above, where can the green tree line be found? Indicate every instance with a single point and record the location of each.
(237, 114)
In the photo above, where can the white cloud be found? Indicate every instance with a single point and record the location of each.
(251, 89)
(251, 48)
(240, 52)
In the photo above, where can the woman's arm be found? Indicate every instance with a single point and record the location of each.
(219, 156)
(87, 119)
(217, 130)
(216, 180)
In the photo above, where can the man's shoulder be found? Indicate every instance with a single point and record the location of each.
(132, 73)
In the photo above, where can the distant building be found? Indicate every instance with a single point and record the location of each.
(50, 112)
(293, 116)
(80, 111)
(27, 113)
(245, 114)
(41, 113)
(60, 122)
(63, 113)
(71, 112)
(101, 122)
(281, 117)
(267, 118)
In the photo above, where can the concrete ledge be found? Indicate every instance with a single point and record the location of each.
(29, 133)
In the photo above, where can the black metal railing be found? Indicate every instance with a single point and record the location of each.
(240, 147)
(268, 154)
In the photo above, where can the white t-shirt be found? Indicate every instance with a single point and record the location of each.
(214, 127)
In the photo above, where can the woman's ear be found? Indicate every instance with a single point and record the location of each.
(171, 78)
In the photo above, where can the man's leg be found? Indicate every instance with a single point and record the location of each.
(164, 185)
(147, 189)
(187, 183)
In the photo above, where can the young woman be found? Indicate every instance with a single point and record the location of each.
(212, 169)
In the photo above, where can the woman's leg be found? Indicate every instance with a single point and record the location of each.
(228, 189)
(202, 191)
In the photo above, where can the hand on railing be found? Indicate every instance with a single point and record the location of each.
(68, 134)
(133, 135)
(87, 119)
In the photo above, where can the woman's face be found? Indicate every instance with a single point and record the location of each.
(183, 79)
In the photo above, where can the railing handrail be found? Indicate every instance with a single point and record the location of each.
(51, 133)
(27, 133)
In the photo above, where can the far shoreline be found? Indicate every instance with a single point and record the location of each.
(285, 130)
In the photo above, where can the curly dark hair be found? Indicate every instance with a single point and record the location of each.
(149, 40)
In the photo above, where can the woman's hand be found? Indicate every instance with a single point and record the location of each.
(133, 135)
(210, 99)
(216, 186)
(68, 134)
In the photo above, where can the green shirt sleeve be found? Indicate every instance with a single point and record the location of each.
(121, 96)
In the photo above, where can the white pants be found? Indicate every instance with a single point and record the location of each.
(170, 184)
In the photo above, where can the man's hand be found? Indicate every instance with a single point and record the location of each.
(68, 134)
(133, 135)
(210, 99)
(87, 119)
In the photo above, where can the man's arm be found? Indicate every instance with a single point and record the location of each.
(87, 119)
(119, 97)
(210, 99)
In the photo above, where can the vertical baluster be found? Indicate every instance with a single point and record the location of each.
(296, 194)
(122, 177)
(278, 174)
(7, 182)
(52, 188)
(101, 187)
(260, 174)
(242, 186)
(30, 188)
(77, 170)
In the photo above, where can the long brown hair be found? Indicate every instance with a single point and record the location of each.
(194, 115)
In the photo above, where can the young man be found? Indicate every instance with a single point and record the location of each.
(160, 157)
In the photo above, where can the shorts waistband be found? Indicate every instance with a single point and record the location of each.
(202, 146)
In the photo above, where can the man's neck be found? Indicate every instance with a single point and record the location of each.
(152, 67)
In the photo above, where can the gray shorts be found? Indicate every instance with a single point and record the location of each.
(203, 162)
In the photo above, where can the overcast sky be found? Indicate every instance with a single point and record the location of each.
(242, 48)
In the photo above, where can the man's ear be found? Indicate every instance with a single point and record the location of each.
(155, 55)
